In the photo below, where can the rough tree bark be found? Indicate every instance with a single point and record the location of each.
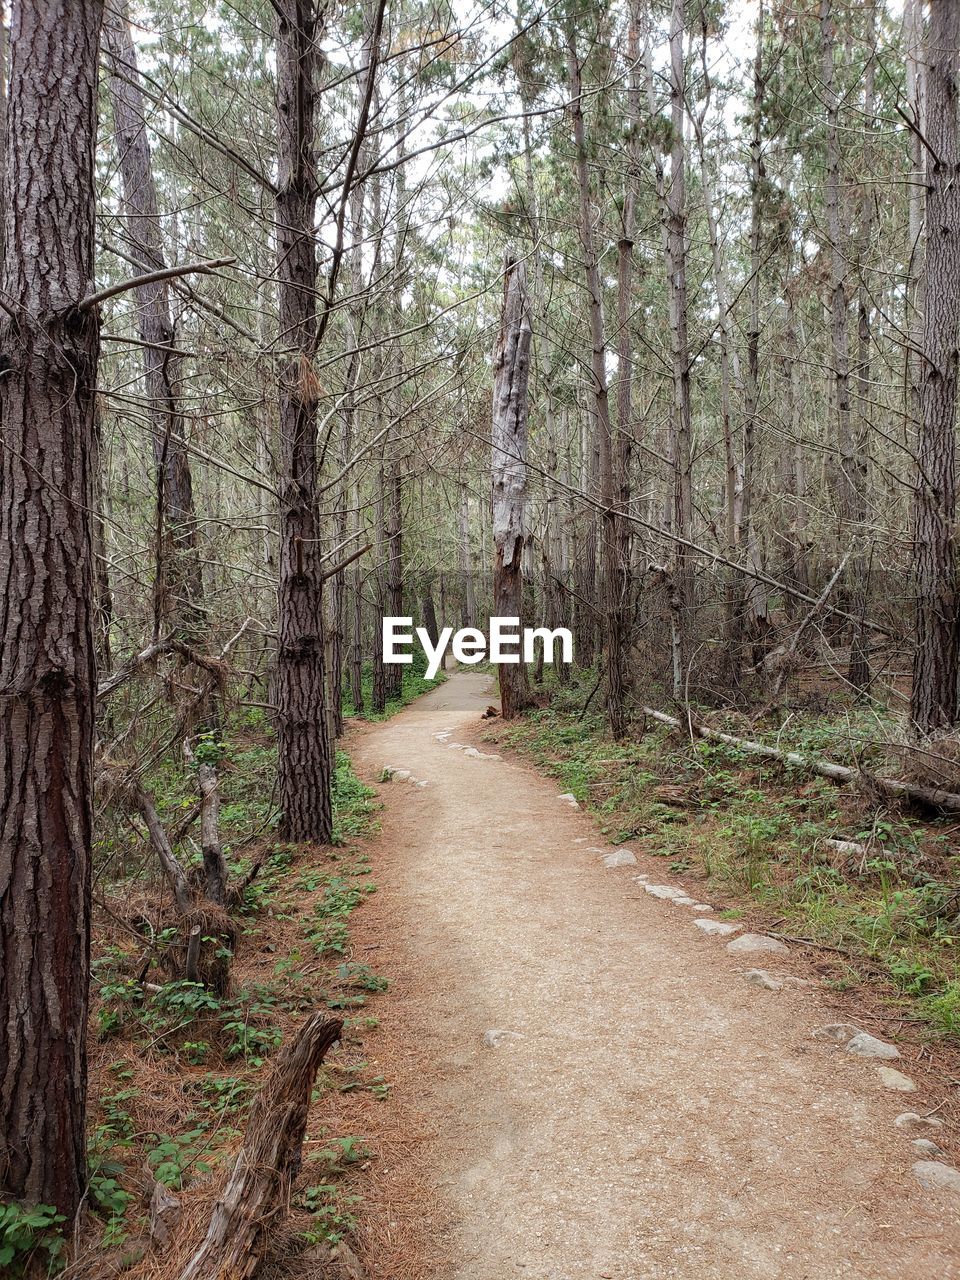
(933, 699)
(47, 674)
(859, 667)
(180, 581)
(305, 753)
(508, 465)
(393, 675)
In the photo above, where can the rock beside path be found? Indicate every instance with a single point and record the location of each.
(864, 1045)
(757, 942)
(926, 1148)
(760, 978)
(890, 1078)
(716, 928)
(837, 1032)
(934, 1176)
(913, 1123)
(619, 858)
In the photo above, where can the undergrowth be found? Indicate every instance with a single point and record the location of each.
(758, 832)
(174, 1066)
(414, 682)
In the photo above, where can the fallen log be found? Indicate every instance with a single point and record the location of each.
(258, 1189)
(933, 797)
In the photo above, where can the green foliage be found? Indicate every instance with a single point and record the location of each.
(332, 1213)
(29, 1234)
(208, 749)
(353, 803)
(172, 1157)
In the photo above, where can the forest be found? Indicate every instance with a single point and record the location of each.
(637, 321)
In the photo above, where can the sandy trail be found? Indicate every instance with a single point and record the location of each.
(660, 1116)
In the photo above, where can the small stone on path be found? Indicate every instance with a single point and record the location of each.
(890, 1078)
(760, 978)
(619, 858)
(496, 1037)
(864, 1045)
(664, 891)
(934, 1176)
(757, 942)
(716, 927)
(914, 1123)
(570, 798)
(701, 906)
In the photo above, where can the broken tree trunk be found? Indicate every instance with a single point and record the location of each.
(949, 801)
(258, 1190)
(508, 461)
(214, 863)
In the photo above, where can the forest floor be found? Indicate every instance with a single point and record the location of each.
(644, 1110)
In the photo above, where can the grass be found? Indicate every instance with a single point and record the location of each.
(757, 832)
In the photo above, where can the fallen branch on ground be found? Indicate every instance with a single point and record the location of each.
(948, 801)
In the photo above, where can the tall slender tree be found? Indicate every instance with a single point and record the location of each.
(612, 585)
(305, 751)
(933, 702)
(179, 585)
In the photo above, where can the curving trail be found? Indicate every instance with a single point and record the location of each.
(654, 1115)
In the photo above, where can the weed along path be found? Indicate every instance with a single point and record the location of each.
(593, 1088)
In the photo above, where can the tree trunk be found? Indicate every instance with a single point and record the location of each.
(47, 671)
(305, 753)
(754, 623)
(466, 560)
(933, 700)
(682, 593)
(859, 667)
(180, 586)
(613, 575)
(508, 464)
(851, 498)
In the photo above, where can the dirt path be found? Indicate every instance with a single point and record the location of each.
(659, 1116)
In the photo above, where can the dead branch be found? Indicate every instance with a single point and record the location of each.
(163, 849)
(214, 863)
(110, 685)
(776, 665)
(152, 277)
(257, 1192)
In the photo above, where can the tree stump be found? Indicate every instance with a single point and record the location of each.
(258, 1190)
